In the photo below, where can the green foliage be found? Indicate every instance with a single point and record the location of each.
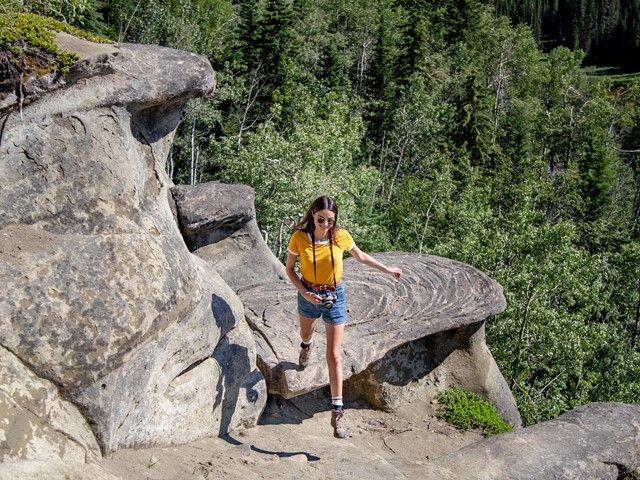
(81, 13)
(28, 36)
(606, 30)
(289, 170)
(465, 410)
(197, 25)
(84, 14)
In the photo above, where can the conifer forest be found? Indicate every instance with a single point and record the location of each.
(503, 134)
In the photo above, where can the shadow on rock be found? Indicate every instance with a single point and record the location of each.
(279, 410)
(223, 314)
(234, 364)
(227, 397)
(416, 359)
(152, 124)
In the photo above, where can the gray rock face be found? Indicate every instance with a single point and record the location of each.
(421, 368)
(394, 332)
(599, 440)
(101, 297)
(218, 222)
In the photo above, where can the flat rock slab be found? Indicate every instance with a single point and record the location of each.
(434, 295)
(599, 440)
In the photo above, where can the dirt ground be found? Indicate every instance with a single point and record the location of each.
(295, 440)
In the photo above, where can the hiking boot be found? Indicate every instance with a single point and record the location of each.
(305, 354)
(339, 423)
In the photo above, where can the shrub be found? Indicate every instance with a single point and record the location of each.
(465, 410)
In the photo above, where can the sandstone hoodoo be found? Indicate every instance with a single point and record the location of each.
(101, 296)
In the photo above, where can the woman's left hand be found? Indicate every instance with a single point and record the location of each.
(395, 271)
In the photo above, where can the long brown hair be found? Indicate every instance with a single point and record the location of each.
(321, 203)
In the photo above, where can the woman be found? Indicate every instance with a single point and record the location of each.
(319, 243)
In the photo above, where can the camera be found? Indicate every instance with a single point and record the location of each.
(328, 298)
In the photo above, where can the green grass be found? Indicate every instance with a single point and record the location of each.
(465, 410)
(616, 75)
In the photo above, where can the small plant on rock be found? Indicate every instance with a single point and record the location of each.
(28, 49)
(465, 410)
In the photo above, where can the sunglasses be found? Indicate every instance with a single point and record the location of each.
(328, 221)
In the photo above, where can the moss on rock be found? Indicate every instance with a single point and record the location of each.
(28, 47)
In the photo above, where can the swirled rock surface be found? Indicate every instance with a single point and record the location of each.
(101, 297)
(434, 295)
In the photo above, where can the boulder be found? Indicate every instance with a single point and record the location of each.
(430, 321)
(219, 225)
(222, 393)
(599, 440)
(101, 296)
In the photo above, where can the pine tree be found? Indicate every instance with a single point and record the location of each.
(247, 30)
(385, 71)
(276, 39)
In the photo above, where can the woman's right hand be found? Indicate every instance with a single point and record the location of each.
(312, 297)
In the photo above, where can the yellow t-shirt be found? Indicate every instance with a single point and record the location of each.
(300, 244)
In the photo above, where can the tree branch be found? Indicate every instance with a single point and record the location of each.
(626, 151)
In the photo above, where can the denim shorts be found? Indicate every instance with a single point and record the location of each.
(336, 315)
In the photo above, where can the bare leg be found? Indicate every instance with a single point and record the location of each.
(335, 333)
(306, 328)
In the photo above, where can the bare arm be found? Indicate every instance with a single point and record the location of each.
(290, 268)
(367, 259)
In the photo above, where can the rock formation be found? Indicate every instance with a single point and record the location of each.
(599, 440)
(105, 315)
(398, 332)
(218, 222)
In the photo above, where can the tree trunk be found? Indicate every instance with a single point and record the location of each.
(426, 223)
(397, 172)
(122, 34)
(363, 66)
(192, 170)
(169, 165)
(634, 338)
(280, 233)
(500, 82)
(256, 85)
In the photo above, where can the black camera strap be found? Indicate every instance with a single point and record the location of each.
(333, 267)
